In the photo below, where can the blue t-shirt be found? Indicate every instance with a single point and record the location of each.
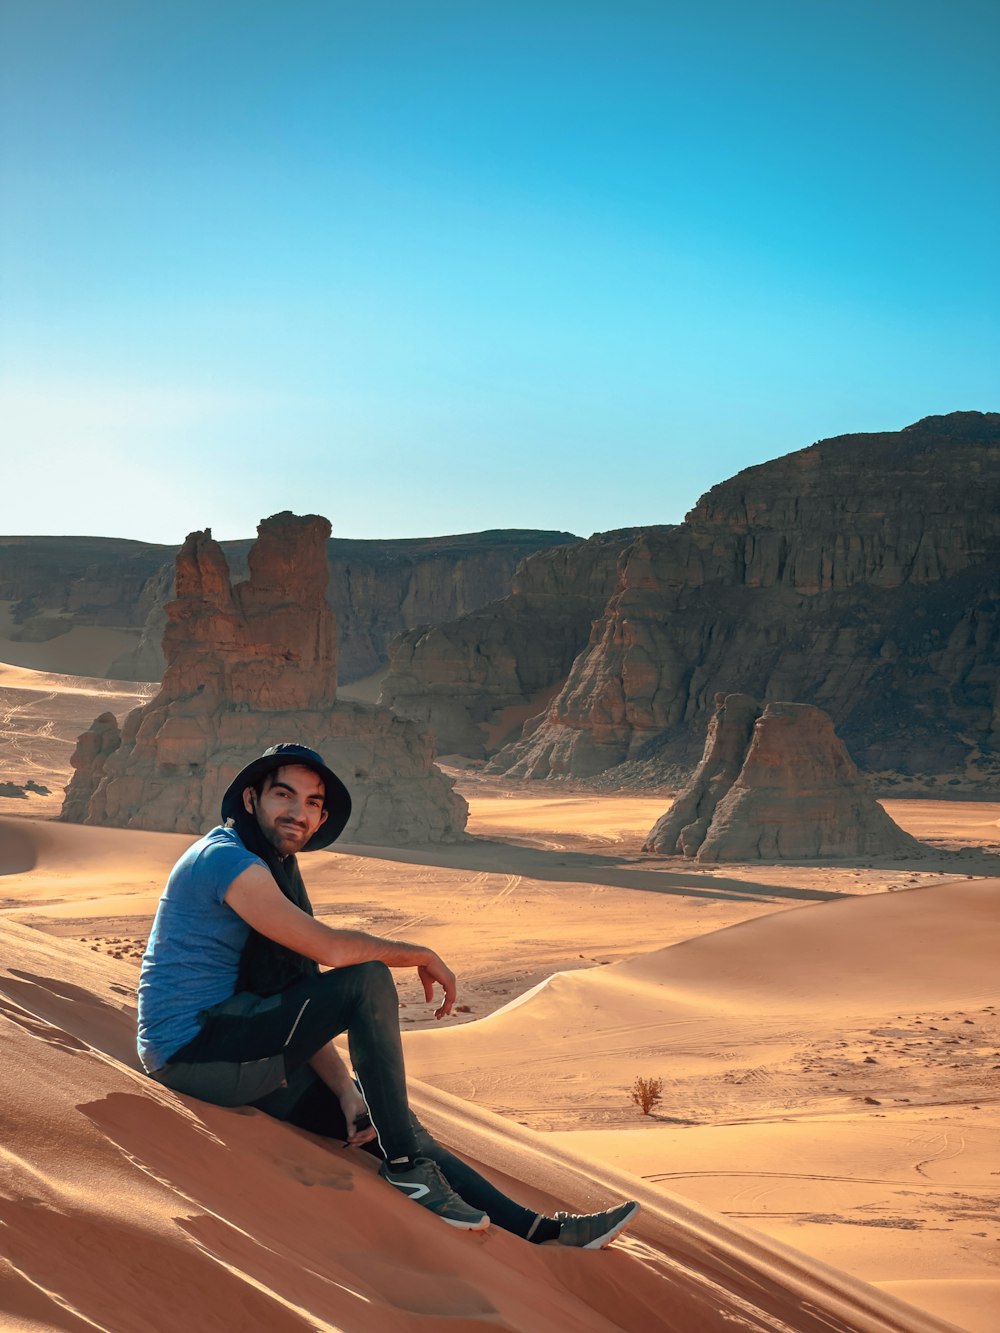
(193, 956)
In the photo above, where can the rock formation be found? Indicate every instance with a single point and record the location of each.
(248, 666)
(381, 589)
(475, 679)
(56, 583)
(87, 761)
(145, 661)
(684, 826)
(776, 785)
(861, 574)
(377, 589)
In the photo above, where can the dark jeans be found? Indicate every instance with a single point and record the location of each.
(254, 1051)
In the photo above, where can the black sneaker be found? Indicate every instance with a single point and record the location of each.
(592, 1231)
(424, 1184)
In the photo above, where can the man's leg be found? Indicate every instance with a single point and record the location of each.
(360, 1000)
(373, 1039)
(308, 1103)
(474, 1188)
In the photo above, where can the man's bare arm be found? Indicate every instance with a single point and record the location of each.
(255, 897)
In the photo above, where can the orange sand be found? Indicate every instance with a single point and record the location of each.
(41, 715)
(770, 1000)
(82, 649)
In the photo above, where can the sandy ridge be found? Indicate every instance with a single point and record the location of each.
(228, 1216)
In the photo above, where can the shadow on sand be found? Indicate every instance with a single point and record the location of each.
(668, 875)
(566, 867)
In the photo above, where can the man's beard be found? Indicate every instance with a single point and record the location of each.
(285, 839)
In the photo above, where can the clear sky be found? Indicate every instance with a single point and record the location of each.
(430, 266)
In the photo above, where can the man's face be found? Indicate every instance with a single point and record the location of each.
(289, 809)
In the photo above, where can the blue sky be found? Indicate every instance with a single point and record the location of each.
(436, 267)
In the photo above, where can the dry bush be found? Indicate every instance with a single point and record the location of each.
(646, 1092)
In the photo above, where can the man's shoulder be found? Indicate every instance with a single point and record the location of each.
(221, 838)
(219, 853)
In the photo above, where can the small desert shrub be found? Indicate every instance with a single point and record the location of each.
(646, 1092)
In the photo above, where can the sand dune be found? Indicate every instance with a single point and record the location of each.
(81, 649)
(126, 1207)
(41, 715)
(830, 1073)
(907, 1201)
(146, 1173)
(755, 992)
(772, 1000)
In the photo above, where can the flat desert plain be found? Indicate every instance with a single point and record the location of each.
(825, 1154)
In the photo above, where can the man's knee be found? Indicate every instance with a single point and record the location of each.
(374, 972)
(374, 978)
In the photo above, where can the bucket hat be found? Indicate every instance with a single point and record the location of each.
(337, 801)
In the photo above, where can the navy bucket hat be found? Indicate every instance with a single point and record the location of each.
(337, 801)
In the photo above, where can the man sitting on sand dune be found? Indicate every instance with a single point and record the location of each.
(233, 1007)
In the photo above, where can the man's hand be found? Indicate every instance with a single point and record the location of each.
(437, 971)
(353, 1106)
(337, 1077)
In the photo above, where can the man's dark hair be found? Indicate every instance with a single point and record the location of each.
(258, 787)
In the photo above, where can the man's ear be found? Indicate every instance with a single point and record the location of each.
(248, 799)
(323, 817)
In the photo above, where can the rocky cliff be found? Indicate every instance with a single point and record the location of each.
(249, 665)
(54, 583)
(861, 574)
(475, 679)
(376, 590)
(380, 589)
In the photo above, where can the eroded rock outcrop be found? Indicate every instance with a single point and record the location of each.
(381, 589)
(475, 680)
(685, 825)
(776, 784)
(249, 665)
(87, 580)
(101, 739)
(377, 589)
(861, 574)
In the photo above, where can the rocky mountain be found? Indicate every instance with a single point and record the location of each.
(56, 582)
(861, 574)
(250, 664)
(475, 679)
(377, 588)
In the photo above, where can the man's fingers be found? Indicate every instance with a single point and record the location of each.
(449, 999)
(446, 979)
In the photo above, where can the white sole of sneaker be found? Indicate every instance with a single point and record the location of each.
(466, 1226)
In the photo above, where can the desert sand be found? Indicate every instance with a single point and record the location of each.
(824, 1155)
(80, 648)
(41, 715)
